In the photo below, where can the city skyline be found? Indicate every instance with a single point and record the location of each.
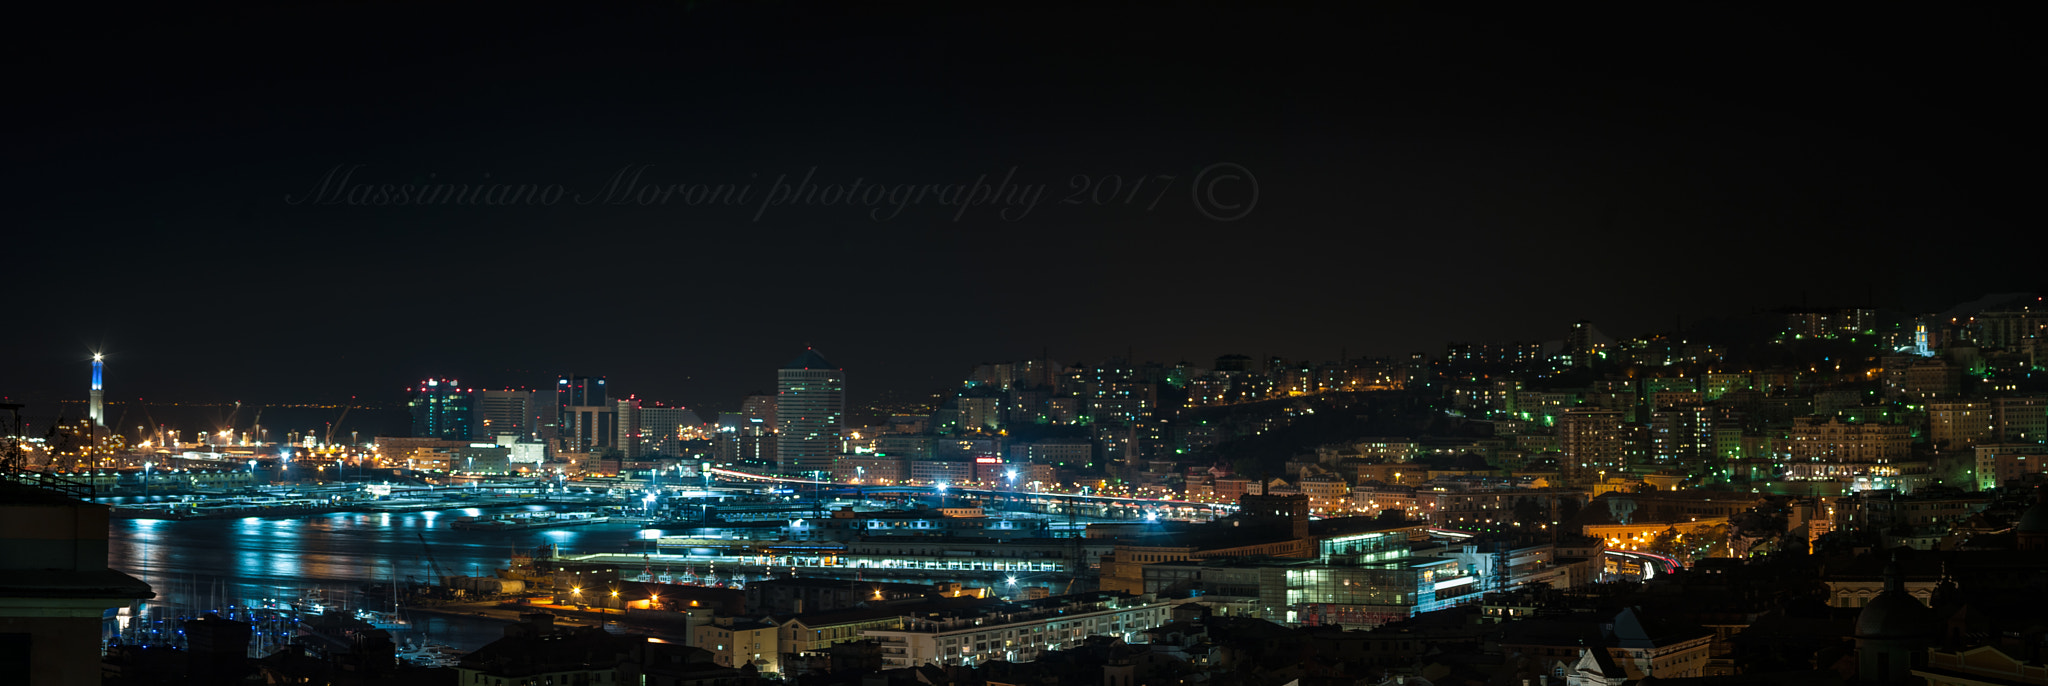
(897, 390)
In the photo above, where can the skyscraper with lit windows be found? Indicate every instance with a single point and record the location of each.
(810, 412)
(442, 408)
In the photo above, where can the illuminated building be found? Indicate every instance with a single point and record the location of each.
(910, 551)
(1372, 500)
(1592, 440)
(1194, 437)
(1960, 424)
(810, 405)
(739, 643)
(1932, 378)
(806, 638)
(1682, 436)
(574, 391)
(506, 412)
(442, 409)
(1492, 354)
(979, 414)
(2021, 419)
(1326, 493)
(626, 435)
(1805, 323)
(97, 411)
(741, 439)
(796, 595)
(1264, 526)
(1364, 579)
(1489, 506)
(1018, 631)
(2009, 329)
(1999, 463)
(936, 471)
(662, 426)
(589, 428)
(1721, 383)
(1816, 439)
(1065, 410)
(1581, 344)
(1027, 406)
(877, 469)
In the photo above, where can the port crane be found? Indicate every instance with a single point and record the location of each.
(441, 576)
(336, 424)
(229, 425)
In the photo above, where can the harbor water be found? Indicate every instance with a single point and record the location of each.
(202, 564)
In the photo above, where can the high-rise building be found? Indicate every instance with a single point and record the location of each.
(1592, 441)
(1517, 353)
(810, 407)
(443, 409)
(575, 391)
(1804, 322)
(2008, 329)
(626, 426)
(661, 427)
(1682, 436)
(1582, 344)
(589, 428)
(743, 441)
(981, 413)
(505, 413)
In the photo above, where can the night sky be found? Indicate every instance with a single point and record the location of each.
(1419, 178)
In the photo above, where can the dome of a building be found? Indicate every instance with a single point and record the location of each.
(2035, 520)
(1894, 613)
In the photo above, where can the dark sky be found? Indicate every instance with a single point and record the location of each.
(1419, 178)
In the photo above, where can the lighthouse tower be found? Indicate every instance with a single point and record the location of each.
(98, 411)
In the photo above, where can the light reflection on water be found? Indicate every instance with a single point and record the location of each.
(255, 558)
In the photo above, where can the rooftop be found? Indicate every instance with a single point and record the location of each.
(810, 359)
